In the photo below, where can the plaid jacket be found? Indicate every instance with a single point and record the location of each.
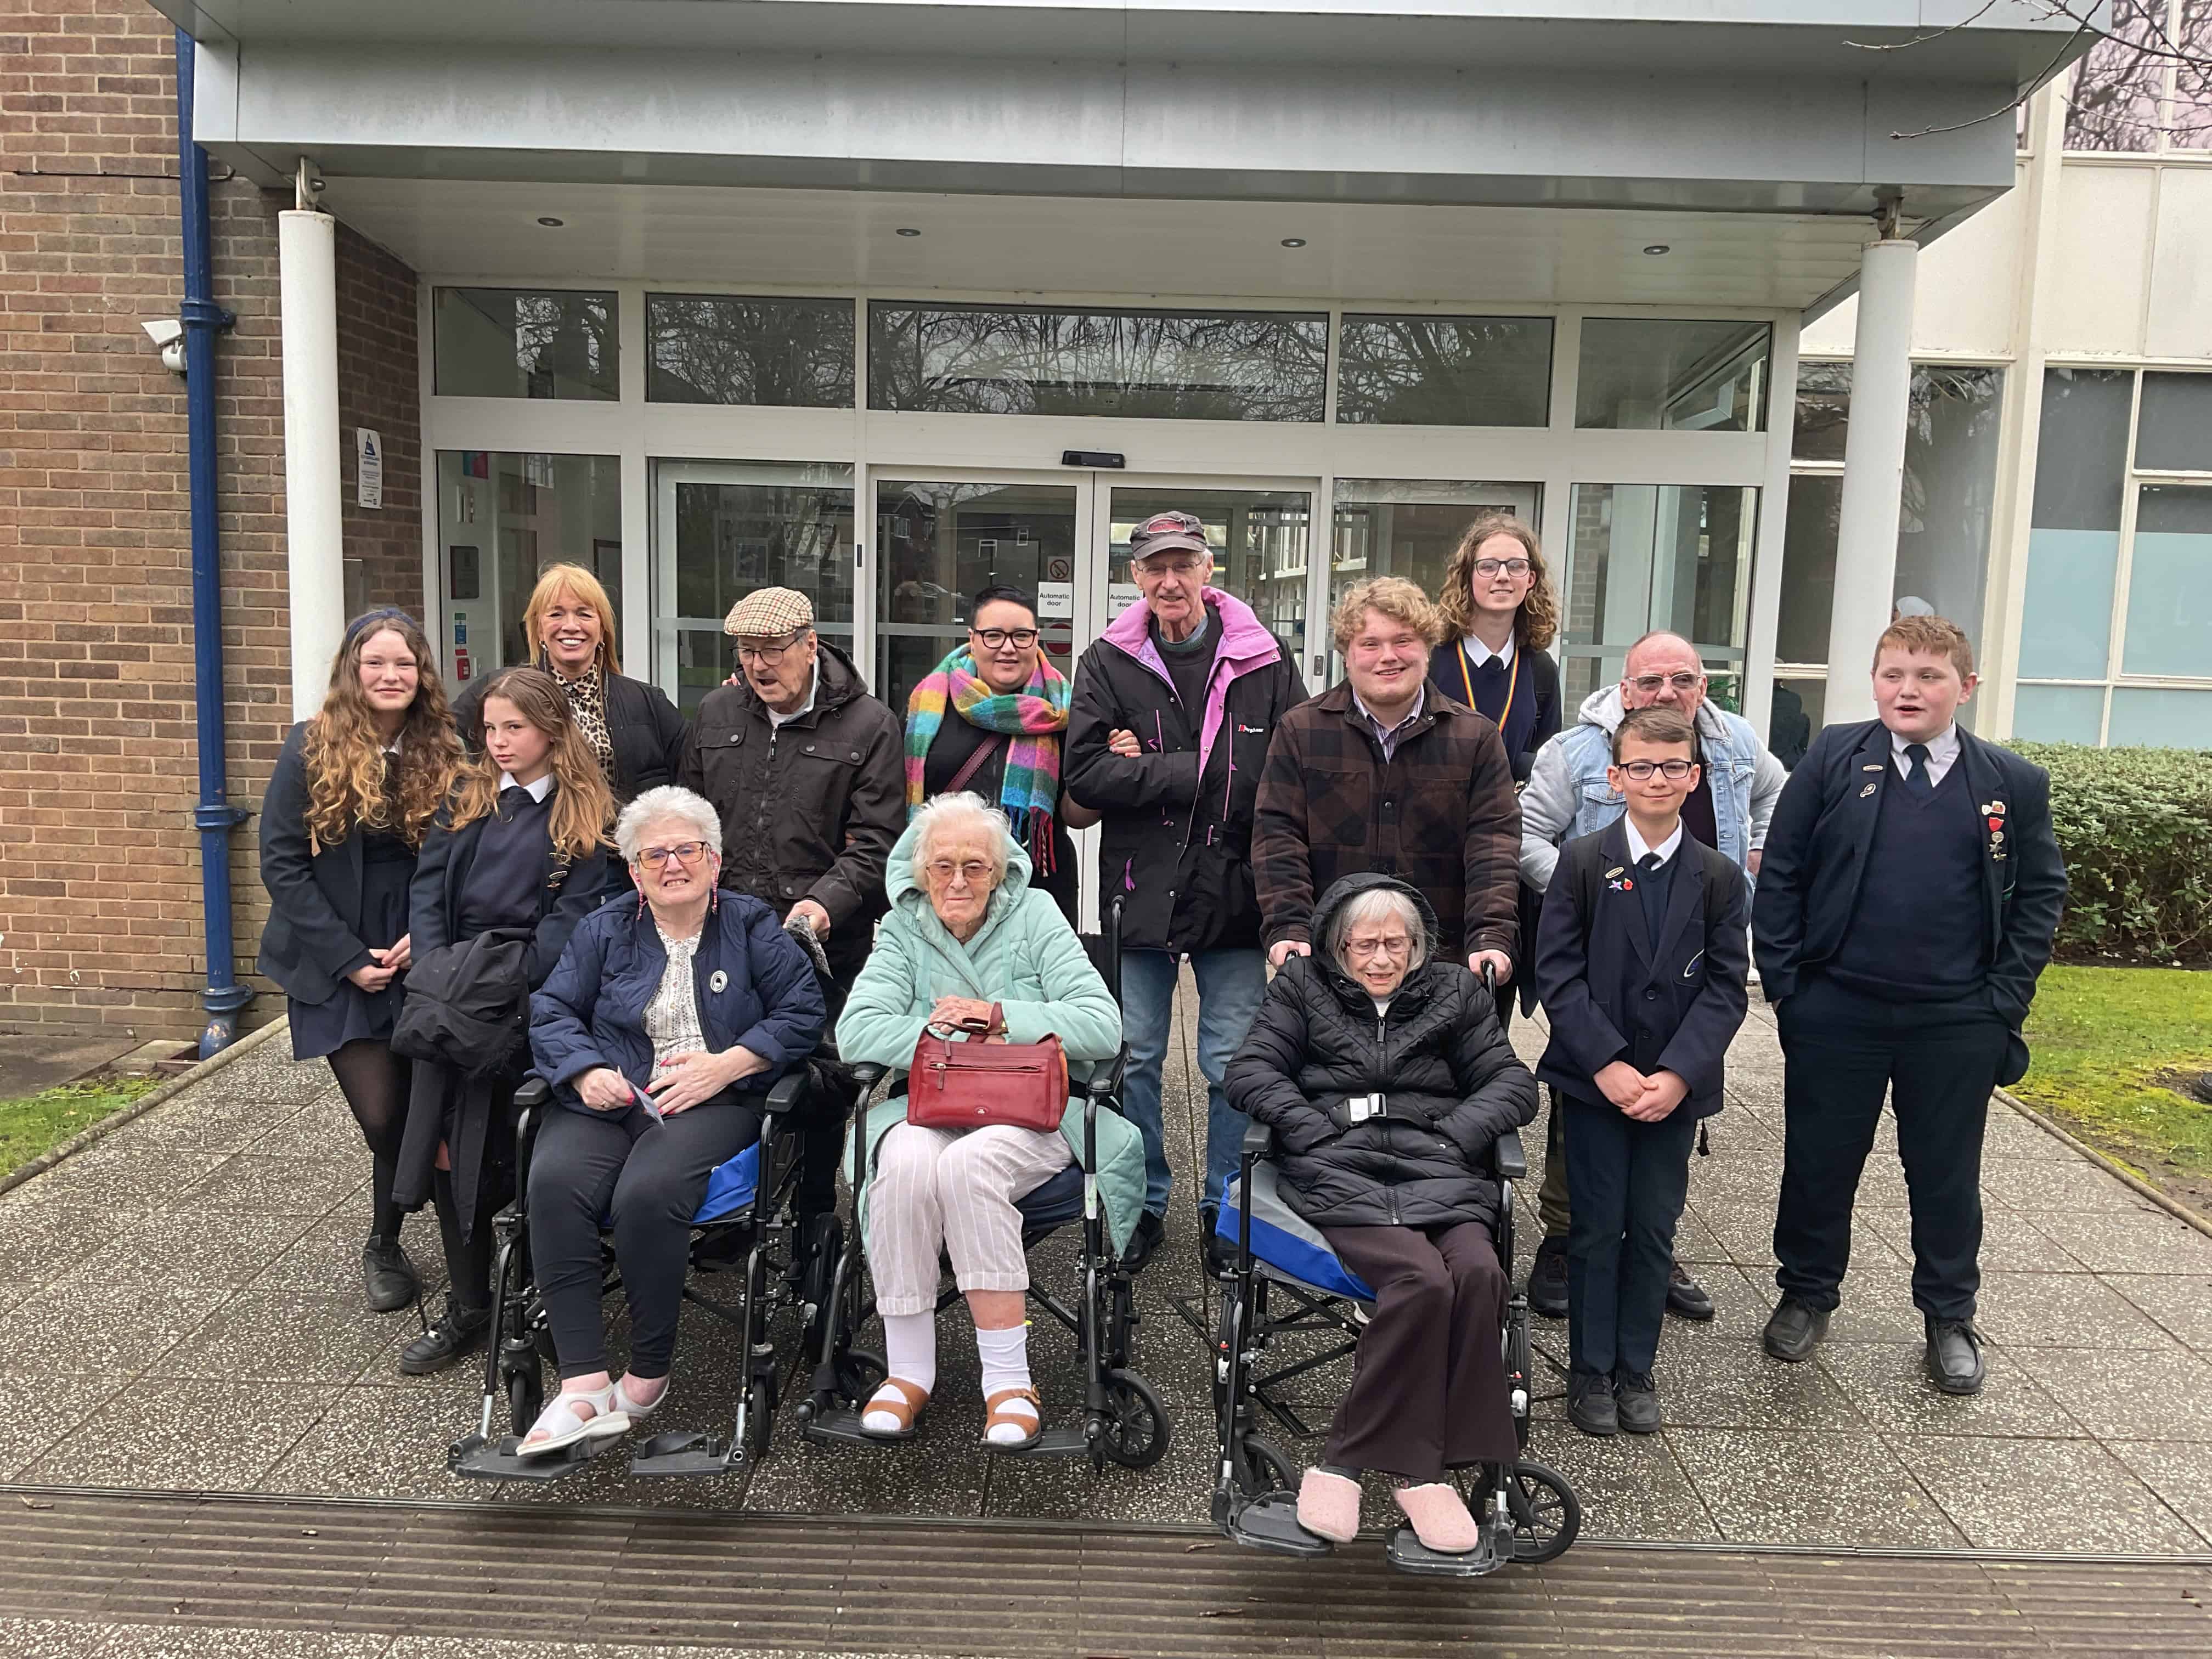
(1441, 815)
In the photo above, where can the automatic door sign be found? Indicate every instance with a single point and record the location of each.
(1055, 599)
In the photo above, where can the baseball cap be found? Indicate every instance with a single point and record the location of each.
(769, 613)
(1166, 533)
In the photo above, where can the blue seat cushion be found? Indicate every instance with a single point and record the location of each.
(730, 1187)
(1055, 1204)
(1286, 1241)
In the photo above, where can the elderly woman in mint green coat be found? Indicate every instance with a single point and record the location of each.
(968, 939)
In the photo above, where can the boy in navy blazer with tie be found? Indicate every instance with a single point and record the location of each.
(1640, 962)
(1906, 905)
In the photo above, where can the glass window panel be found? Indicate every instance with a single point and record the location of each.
(2058, 713)
(1411, 528)
(1676, 556)
(2169, 597)
(2191, 122)
(1796, 718)
(2112, 104)
(2066, 621)
(1808, 568)
(748, 525)
(1643, 374)
(937, 542)
(1444, 371)
(2173, 429)
(1950, 491)
(2082, 454)
(522, 343)
(1824, 408)
(714, 349)
(1024, 360)
(1260, 537)
(502, 518)
(2154, 718)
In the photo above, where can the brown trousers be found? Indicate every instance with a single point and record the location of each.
(1428, 1392)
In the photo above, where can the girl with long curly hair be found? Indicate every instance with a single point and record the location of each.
(522, 845)
(347, 805)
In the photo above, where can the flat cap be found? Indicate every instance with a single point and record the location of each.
(769, 613)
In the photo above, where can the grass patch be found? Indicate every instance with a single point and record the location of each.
(2102, 1037)
(38, 1122)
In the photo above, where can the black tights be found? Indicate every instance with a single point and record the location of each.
(376, 1082)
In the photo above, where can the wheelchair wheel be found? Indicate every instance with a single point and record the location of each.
(1517, 1358)
(760, 1417)
(1267, 1467)
(1135, 1431)
(525, 1392)
(1546, 1515)
(815, 1270)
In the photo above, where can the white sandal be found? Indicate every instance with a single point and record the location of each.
(565, 1425)
(630, 1408)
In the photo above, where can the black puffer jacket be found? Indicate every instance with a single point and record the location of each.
(1452, 1083)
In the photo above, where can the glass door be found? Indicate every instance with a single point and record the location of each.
(1261, 538)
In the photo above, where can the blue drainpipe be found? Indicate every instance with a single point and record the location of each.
(215, 818)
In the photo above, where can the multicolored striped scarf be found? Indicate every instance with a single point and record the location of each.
(1034, 716)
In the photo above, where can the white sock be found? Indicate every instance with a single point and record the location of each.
(1005, 1356)
(910, 1350)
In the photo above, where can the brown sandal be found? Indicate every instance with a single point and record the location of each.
(995, 1413)
(907, 1406)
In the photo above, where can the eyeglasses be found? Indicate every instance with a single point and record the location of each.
(972, 871)
(1676, 770)
(768, 651)
(684, 852)
(1185, 566)
(997, 639)
(1682, 682)
(1364, 948)
(1510, 566)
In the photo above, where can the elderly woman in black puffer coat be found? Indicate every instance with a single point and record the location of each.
(1386, 1079)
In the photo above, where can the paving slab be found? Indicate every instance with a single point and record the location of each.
(2017, 1495)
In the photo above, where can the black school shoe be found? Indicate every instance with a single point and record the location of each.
(389, 1275)
(1151, 1232)
(459, 1332)
(1955, 1355)
(1686, 1297)
(1636, 1402)
(1547, 1280)
(1793, 1331)
(1590, 1405)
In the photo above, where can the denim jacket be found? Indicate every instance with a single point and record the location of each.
(1567, 795)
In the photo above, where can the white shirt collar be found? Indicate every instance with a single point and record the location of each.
(1479, 653)
(539, 790)
(1637, 847)
(1421, 701)
(813, 685)
(1942, 748)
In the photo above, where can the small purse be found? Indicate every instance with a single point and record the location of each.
(952, 1084)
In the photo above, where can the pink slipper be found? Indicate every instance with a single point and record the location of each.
(1440, 1518)
(1329, 1506)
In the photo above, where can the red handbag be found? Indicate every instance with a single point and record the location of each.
(954, 1084)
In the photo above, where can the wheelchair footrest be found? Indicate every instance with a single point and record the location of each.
(475, 1458)
(1408, 1554)
(1053, 1443)
(1270, 1521)
(688, 1452)
(841, 1427)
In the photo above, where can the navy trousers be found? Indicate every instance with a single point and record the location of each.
(1629, 1180)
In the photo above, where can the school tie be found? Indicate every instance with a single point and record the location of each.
(512, 800)
(1648, 862)
(1915, 776)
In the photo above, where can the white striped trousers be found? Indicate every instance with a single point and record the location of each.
(953, 1189)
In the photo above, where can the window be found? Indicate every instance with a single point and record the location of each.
(501, 519)
(1676, 556)
(2116, 632)
(1444, 371)
(1162, 365)
(1411, 528)
(2146, 84)
(1672, 376)
(1944, 517)
(520, 342)
(786, 353)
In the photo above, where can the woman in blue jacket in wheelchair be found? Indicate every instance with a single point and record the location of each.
(1386, 1079)
(671, 1013)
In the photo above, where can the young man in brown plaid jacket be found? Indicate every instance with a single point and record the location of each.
(1385, 773)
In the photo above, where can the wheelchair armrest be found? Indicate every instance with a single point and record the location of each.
(532, 1092)
(1510, 1157)
(1106, 1082)
(785, 1095)
(867, 1073)
(1259, 1140)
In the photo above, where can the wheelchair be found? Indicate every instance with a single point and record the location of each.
(1288, 1285)
(1123, 1421)
(746, 1222)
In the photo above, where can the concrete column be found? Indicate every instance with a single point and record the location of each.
(307, 245)
(1874, 474)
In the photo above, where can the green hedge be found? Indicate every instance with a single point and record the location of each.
(2136, 826)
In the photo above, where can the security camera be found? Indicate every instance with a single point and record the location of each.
(167, 335)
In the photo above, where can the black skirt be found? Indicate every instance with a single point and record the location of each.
(351, 1014)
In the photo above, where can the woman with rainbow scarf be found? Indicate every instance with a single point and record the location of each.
(1008, 709)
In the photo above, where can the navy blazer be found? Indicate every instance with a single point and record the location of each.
(312, 940)
(753, 983)
(1612, 992)
(433, 898)
(1815, 860)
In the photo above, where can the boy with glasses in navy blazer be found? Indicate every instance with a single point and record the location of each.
(1640, 964)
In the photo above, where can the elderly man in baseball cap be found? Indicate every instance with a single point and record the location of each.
(807, 771)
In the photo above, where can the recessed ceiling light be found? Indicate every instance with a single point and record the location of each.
(1658, 247)
(551, 223)
(1294, 242)
(909, 230)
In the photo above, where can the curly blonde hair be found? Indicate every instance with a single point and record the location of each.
(1537, 622)
(344, 751)
(583, 806)
(1394, 597)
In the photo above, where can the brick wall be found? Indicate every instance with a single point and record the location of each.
(99, 884)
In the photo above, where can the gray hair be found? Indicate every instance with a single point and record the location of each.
(950, 812)
(668, 801)
(1378, 904)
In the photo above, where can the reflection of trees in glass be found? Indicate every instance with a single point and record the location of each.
(732, 538)
(1155, 364)
(1954, 412)
(1824, 410)
(1444, 371)
(707, 349)
(2113, 103)
(564, 344)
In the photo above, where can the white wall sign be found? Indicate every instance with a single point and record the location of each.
(369, 467)
(1056, 600)
(1120, 596)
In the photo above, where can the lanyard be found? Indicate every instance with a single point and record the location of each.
(1512, 686)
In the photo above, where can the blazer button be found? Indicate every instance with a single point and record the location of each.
(1652, 995)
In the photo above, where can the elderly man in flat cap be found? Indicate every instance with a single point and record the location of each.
(808, 771)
